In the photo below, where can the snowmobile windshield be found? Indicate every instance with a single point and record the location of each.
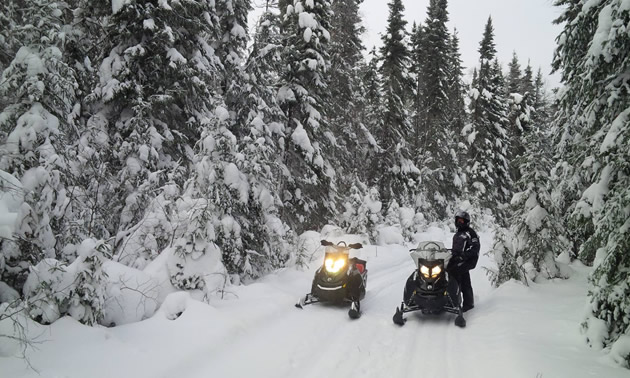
(430, 251)
(333, 249)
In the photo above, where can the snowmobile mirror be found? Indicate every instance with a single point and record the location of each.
(326, 243)
(356, 246)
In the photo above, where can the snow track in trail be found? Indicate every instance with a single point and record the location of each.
(513, 331)
(321, 339)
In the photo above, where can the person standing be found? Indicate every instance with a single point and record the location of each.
(465, 256)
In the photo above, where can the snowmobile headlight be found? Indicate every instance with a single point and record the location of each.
(435, 271)
(425, 271)
(334, 266)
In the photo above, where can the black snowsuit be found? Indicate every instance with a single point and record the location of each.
(465, 256)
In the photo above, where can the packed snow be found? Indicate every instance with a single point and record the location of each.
(255, 330)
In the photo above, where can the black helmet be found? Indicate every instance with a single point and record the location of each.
(461, 219)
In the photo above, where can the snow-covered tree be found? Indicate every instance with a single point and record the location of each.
(436, 151)
(487, 133)
(418, 55)
(536, 234)
(394, 164)
(38, 91)
(595, 122)
(308, 187)
(86, 297)
(158, 80)
(456, 87)
(346, 102)
(362, 211)
(514, 75)
(371, 116)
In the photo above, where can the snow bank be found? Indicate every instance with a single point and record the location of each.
(132, 295)
(620, 351)
(174, 305)
(11, 198)
(390, 235)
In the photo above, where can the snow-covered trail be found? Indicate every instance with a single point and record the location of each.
(514, 331)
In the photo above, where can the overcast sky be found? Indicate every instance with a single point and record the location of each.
(524, 26)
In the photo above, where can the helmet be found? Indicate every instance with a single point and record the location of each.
(462, 219)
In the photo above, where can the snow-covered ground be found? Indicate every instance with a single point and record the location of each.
(514, 331)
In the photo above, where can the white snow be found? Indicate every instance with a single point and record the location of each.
(617, 127)
(149, 24)
(307, 35)
(300, 137)
(306, 20)
(514, 331)
(222, 113)
(286, 94)
(238, 31)
(175, 56)
(117, 5)
(236, 180)
(165, 4)
(131, 294)
(602, 34)
(11, 198)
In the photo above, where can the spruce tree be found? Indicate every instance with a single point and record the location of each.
(487, 132)
(397, 170)
(536, 235)
(372, 116)
(418, 55)
(514, 76)
(308, 190)
(456, 87)
(526, 84)
(437, 150)
(595, 122)
(38, 89)
(346, 103)
(157, 84)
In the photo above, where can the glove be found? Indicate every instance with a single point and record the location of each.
(457, 260)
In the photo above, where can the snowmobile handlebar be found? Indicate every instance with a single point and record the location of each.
(326, 243)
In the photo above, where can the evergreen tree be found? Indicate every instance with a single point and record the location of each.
(526, 85)
(487, 133)
(536, 234)
(437, 153)
(86, 297)
(540, 101)
(39, 92)
(397, 170)
(345, 103)
(308, 189)
(418, 55)
(514, 76)
(595, 121)
(156, 88)
(456, 87)
(230, 49)
(372, 115)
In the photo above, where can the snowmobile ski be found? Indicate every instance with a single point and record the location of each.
(355, 310)
(340, 279)
(429, 289)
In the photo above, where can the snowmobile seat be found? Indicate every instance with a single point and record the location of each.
(359, 264)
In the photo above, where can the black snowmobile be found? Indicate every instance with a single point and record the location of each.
(429, 289)
(340, 279)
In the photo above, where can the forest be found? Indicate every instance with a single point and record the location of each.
(171, 132)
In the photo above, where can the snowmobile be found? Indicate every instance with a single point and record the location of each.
(429, 289)
(340, 279)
